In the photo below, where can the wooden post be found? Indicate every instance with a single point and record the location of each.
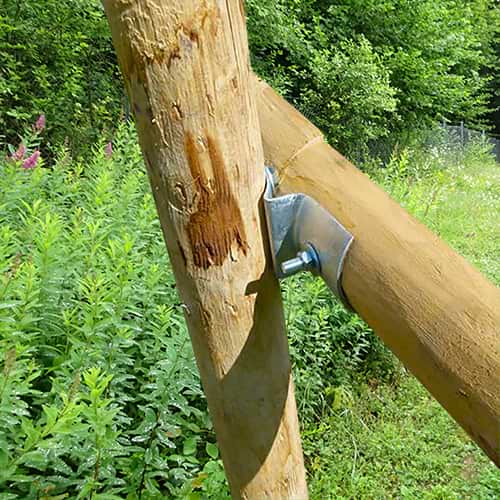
(186, 69)
(436, 312)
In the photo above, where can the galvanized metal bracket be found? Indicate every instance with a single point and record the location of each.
(304, 236)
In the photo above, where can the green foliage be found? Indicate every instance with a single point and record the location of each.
(337, 343)
(393, 440)
(368, 70)
(454, 191)
(100, 392)
(57, 59)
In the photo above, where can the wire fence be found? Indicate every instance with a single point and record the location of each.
(463, 135)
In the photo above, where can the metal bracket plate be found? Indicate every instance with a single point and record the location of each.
(304, 236)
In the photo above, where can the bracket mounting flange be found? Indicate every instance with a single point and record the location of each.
(304, 236)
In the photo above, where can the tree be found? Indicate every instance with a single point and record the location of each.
(363, 70)
(58, 60)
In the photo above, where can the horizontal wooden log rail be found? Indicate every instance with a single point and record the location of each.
(434, 310)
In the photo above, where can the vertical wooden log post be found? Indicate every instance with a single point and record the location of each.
(436, 312)
(186, 69)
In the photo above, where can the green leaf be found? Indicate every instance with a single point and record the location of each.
(212, 450)
(36, 459)
(51, 413)
(189, 447)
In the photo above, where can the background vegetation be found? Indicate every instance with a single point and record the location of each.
(57, 59)
(369, 73)
(99, 394)
(365, 70)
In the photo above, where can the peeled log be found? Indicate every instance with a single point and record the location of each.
(435, 311)
(186, 69)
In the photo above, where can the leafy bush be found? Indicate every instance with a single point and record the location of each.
(366, 71)
(339, 346)
(99, 392)
(57, 59)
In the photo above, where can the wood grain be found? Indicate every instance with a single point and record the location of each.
(186, 69)
(435, 311)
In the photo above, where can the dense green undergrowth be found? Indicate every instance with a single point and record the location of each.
(99, 393)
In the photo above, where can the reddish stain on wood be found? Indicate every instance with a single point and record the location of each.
(217, 223)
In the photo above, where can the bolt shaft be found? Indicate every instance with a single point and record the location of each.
(306, 260)
(293, 266)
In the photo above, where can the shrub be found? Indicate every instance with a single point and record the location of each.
(366, 72)
(99, 390)
(377, 71)
(57, 58)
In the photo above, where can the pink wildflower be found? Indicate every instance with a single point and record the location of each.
(108, 150)
(40, 123)
(32, 160)
(19, 154)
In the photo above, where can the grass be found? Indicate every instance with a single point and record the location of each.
(99, 393)
(395, 442)
(461, 204)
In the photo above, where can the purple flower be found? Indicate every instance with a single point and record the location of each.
(108, 150)
(32, 160)
(19, 154)
(40, 123)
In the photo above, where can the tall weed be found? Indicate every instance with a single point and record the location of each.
(100, 396)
